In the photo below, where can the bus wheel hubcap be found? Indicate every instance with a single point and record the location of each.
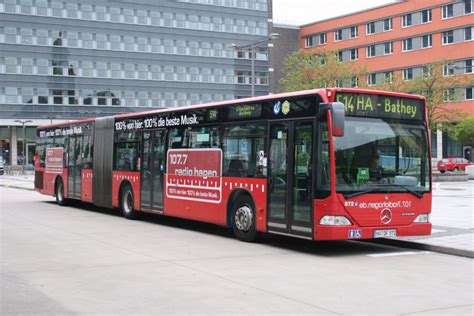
(243, 218)
(60, 192)
(128, 202)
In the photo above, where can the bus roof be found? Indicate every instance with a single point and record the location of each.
(326, 92)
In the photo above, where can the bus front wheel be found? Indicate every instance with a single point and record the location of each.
(126, 203)
(243, 219)
(59, 192)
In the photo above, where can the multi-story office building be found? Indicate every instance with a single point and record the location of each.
(70, 59)
(398, 40)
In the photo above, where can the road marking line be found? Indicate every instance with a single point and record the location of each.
(393, 254)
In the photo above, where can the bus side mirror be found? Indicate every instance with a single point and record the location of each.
(338, 117)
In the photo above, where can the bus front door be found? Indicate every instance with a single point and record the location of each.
(290, 178)
(152, 171)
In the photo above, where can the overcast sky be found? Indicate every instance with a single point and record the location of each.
(297, 12)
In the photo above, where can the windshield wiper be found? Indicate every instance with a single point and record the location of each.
(353, 195)
(381, 188)
(416, 193)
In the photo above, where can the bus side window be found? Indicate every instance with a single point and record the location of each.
(126, 156)
(244, 151)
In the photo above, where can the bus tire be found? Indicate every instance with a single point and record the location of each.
(243, 219)
(126, 203)
(59, 192)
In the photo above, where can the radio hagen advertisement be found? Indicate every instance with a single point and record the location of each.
(194, 174)
(54, 160)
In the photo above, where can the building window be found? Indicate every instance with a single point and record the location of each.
(467, 6)
(448, 37)
(448, 95)
(42, 96)
(101, 41)
(322, 38)
(57, 67)
(468, 66)
(354, 31)
(448, 11)
(426, 16)
(309, 41)
(354, 82)
(387, 24)
(371, 79)
(448, 70)
(86, 12)
(71, 97)
(469, 93)
(407, 20)
(370, 28)
(11, 95)
(339, 56)
(388, 77)
(100, 13)
(407, 73)
(26, 6)
(72, 39)
(42, 37)
(42, 67)
(27, 66)
(10, 35)
(427, 41)
(26, 36)
(354, 54)
(71, 10)
(371, 51)
(467, 33)
(427, 71)
(11, 65)
(338, 35)
(57, 96)
(388, 48)
(27, 95)
(407, 44)
(41, 7)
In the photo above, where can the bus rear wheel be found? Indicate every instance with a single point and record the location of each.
(126, 203)
(243, 219)
(59, 192)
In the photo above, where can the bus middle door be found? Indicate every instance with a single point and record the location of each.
(152, 171)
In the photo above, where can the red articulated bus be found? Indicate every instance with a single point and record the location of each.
(320, 164)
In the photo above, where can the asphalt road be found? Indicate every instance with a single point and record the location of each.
(84, 260)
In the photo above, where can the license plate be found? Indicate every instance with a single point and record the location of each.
(385, 233)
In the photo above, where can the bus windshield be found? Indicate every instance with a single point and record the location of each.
(382, 155)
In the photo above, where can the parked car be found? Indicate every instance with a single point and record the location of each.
(2, 166)
(453, 164)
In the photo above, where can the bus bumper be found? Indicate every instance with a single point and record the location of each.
(354, 232)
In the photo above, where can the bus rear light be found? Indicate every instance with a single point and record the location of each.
(335, 221)
(422, 218)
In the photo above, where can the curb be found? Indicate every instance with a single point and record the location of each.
(15, 187)
(421, 246)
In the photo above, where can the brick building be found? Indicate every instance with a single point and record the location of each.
(398, 39)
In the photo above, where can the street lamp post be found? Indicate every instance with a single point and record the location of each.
(23, 123)
(251, 47)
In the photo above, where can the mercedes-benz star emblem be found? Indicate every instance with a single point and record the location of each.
(385, 216)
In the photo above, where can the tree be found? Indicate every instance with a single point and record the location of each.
(309, 70)
(465, 132)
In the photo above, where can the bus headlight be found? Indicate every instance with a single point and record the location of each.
(422, 218)
(335, 221)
